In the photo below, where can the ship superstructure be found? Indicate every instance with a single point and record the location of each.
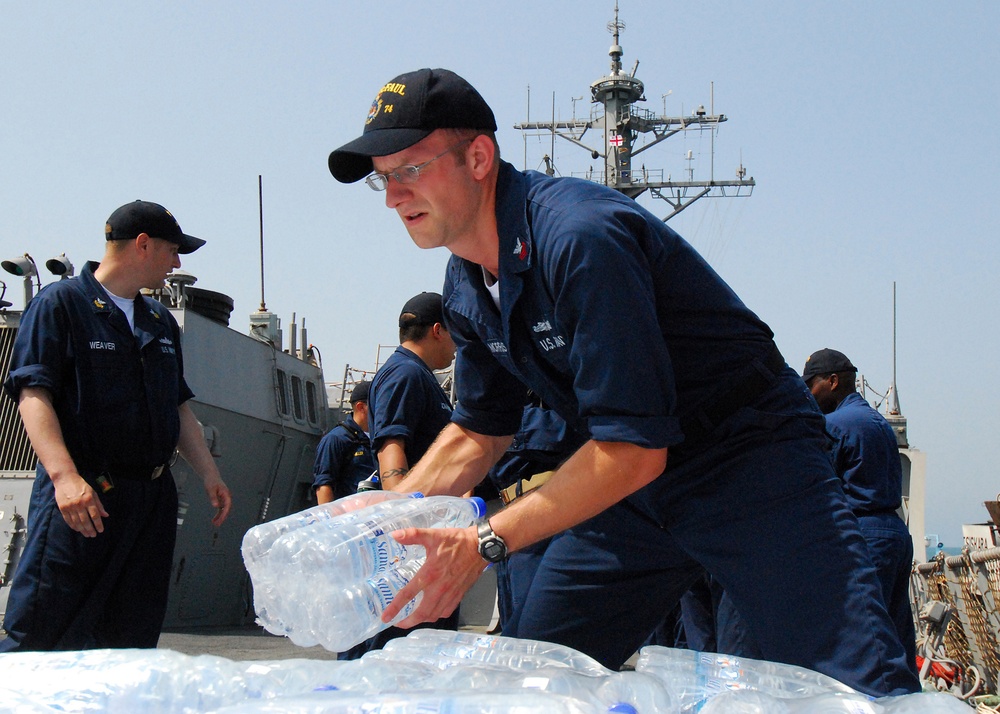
(619, 132)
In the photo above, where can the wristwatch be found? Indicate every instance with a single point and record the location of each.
(491, 546)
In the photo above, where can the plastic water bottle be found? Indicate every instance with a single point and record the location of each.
(119, 681)
(373, 673)
(271, 679)
(754, 702)
(695, 677)
(835, 703)
(501, 651)
(372, 483)
(924, 703)
(329, 581)
(639, 691)
(468, 660)
(353, 555)
(759, 674)
(745, 701)
(420, 702)
(259, 539)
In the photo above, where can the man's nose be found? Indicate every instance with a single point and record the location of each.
(395, 193)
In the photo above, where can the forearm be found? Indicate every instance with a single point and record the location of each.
(77, 501)
(192, 446)
(43, 429)
(596, 477)
(456, 461)
(392, 463)
(324, 494)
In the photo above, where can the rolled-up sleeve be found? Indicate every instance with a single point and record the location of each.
(41, 346)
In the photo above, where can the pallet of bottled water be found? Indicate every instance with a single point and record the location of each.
(433, 672)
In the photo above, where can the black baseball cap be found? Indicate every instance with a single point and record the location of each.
(360, 392)
(406, 110)
(826, 361)
(154, 220)
(426, 308)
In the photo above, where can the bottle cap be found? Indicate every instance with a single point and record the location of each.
(480, 505)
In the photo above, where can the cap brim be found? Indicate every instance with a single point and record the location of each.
(188, 244)
(353, 161)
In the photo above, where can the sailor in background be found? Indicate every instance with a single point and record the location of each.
(866, 457)
(344, 455)
(573, 290)
(98, 376)
(407, 404)
(408, 409)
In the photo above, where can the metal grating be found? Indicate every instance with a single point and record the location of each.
(16, 453)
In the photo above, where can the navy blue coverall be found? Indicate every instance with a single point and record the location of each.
(866, 456)
(116, 395)
(618, 324)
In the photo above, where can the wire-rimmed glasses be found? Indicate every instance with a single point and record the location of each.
(408, 173)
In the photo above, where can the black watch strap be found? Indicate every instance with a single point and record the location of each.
(492, 547)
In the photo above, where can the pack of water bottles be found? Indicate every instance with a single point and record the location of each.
(325, 575)
(433, 672)
(714, 683)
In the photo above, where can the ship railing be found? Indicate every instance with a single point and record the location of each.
(956, 607)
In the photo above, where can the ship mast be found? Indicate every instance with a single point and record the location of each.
(620, 124)
(893, 413)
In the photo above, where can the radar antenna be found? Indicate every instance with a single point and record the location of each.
(618, 129)
(893, 412)
(260, 206)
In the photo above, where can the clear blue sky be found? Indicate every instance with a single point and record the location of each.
(869, 128)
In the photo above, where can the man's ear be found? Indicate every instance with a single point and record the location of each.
(480, 156)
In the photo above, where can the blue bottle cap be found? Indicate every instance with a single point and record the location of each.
(416, 494)
(622, 708)
(480, 505)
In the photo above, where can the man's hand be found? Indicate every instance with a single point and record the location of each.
(79, 504)
(453, 566)
(219, 496)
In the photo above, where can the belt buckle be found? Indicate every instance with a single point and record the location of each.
(523, 485)
(511, 493)
(157, 472)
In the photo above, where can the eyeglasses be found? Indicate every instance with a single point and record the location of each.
(407, 173)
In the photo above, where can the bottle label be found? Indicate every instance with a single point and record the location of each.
(384, 588)
(384, 552)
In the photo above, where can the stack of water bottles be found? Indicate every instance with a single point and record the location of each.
(325, 575)
(433, 672)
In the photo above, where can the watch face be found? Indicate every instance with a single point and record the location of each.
(493, 550)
